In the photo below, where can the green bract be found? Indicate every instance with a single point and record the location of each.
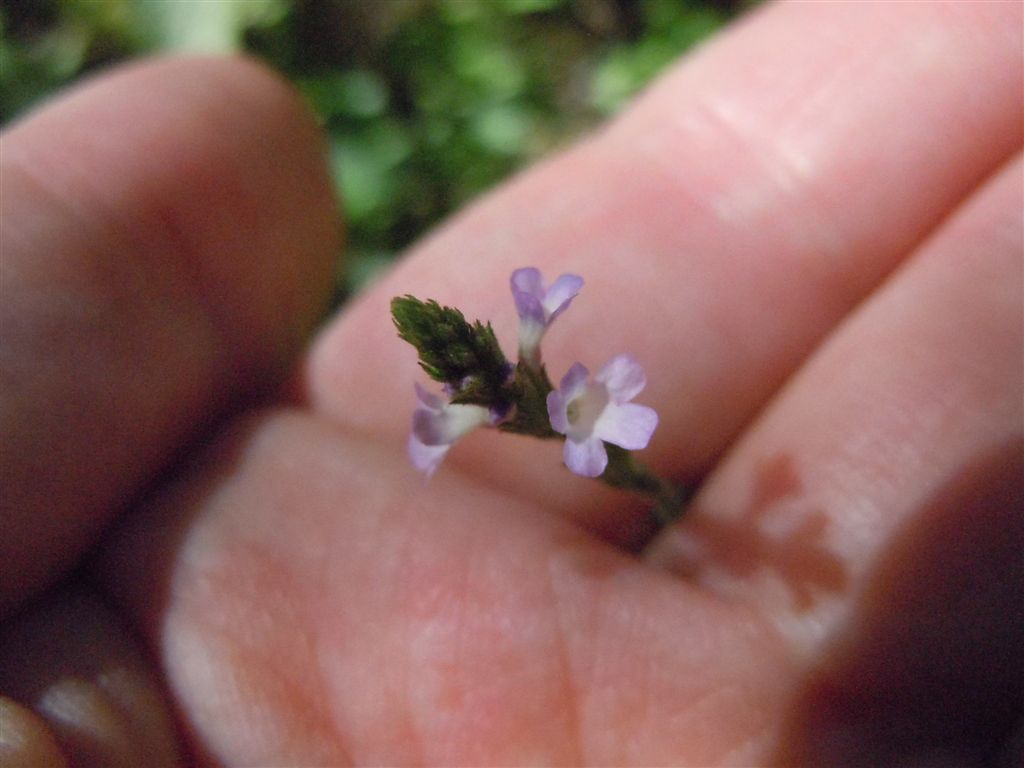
(464, 356)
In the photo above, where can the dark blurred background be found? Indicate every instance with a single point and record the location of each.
(426, 102)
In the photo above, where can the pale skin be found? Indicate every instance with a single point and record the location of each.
(808, 233)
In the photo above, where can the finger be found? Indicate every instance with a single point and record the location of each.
(724, 224)
(876, 512)
(310, 605)
(168, 235)
(25, 741)
(83, 688)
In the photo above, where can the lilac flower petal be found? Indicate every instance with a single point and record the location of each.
(627, 425)
(557, 415)
(573, 382)
(588, 458)
(528, 280)
(560, 295)
(530, 334)
(529, 308)
(426, 458)
(624, 378)
(446, 426)
(427, 427)
(429, 399)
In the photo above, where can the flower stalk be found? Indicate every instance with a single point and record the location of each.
(530, 391)
(625, 471)
(595, 417)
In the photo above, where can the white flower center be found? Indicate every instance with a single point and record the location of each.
(458, 420)
(583, 411)
(530, 334)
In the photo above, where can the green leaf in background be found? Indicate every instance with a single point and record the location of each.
(366, 163)
(673, 27)
(503, 129)
(203, 26)
(356, 93)
(530, 6)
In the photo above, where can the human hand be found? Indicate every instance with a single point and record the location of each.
(809, 233)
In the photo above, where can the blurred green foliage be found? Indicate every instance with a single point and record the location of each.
(426, 102)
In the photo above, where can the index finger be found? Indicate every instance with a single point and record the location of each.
(724, 225)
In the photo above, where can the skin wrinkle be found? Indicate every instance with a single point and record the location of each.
(109, 291)
(332, 645)
(247, 693)
(300, 651)
(757, 744)
(571, 688)
(161, 222)
(839, 71)
(454, 624)
(199, 583)
(706, 700)
(111, 294)
(801, 126)
(583, 664)
(785, 171)
(28, 172)
(326, 649)
(389, 584)
(635, 745)
(157, 233)
(538, 629)
(641, 719)
(418, 745)
(598, 648)
(429, 605)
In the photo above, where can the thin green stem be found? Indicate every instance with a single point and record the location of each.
(624, 471)
(530, 416)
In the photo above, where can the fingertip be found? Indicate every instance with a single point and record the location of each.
(25, 740)
(212, 166)
(88, 694)
(170, 235)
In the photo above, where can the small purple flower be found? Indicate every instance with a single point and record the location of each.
(436, 425)
(590, 413)
(538, 307)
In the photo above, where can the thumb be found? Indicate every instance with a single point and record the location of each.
(169, 232)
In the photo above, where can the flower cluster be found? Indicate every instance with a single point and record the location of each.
(482, 390)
